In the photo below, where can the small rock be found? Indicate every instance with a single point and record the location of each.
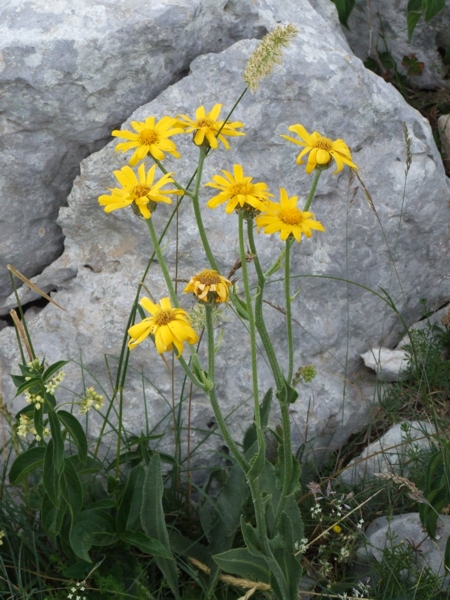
(407, 529)
(390, 365)
(389, 454)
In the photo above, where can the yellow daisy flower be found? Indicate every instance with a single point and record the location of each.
(286, 218)
(151, 138)
(238, 190)
(138, 192)
(169, 326)
(321, 149)
(209, 286)
(206, 125)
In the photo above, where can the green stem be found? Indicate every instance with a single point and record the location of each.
(162, 263)
(251, 318)
(240, 459)
(197, 211)
(259, 319)
(287, 292)
(312, 191)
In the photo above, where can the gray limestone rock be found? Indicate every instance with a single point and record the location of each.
(444, 131)
(321, 85)
(69, 74)
(391, 453)
(384, 29)
(389, 365)
(407, 529)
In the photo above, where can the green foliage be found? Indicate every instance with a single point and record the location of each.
(344, 9)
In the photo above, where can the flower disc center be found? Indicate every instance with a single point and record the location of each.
(140, 191)
(208, 277)
(205, 123)
(290, 216)
(148, 137)
(164, 317)
(324, 144)
(244, 189)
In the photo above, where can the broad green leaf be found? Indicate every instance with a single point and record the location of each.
(57, 441)
(432, 7)
(243, 564)
(344, 9)
(50, 476)
(18, 380)
(134, 484)
(90, 465)
(146, 544)
(71, 488)
(91, 528)
(284, 552)
(52, 369)
(26, 463)
(52, 517)
(153, 520)
(76, 432)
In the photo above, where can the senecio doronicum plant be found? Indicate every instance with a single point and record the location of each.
(270, 558)
(271, 544)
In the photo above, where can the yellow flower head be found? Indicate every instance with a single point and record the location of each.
(151, 138)
(209, 286)
(337, 529)
(137, 191)
(238, 190)
(206, 125)
(321, 150)
(169, 326)
(286, 218)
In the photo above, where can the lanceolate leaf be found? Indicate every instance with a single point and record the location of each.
(243, 564)
(76, 432)
(146, 544)
(57, 441)
(432, 7)
(52, 369)
(50, 475)
(91, 528)
(153, 521)
(71, 488)
(26, 463)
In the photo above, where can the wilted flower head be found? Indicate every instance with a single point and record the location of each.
(169, 326)
(238, 190)
(206, 125)
(151, 138)
(286, 218)
(268, 54)
(209, 286)
(138, 192)
(321, 150)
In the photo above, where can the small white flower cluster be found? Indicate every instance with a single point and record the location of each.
(76, 593)
(92, 399)
(2, 535)
(344, 554)
(34, 365)
(35, 399)
(316, 511)
(362, 590)
(301, 546)
(51, 385)
(26, 426)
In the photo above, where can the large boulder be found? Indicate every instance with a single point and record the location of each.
(68, 75)
(324, 87)
(380, 26)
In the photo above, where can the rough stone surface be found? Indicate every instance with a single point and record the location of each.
(384, 28)
(444, 130)
(69, 74)
(407, 529)
(390, 454)
(321, 85)
(389, 365)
